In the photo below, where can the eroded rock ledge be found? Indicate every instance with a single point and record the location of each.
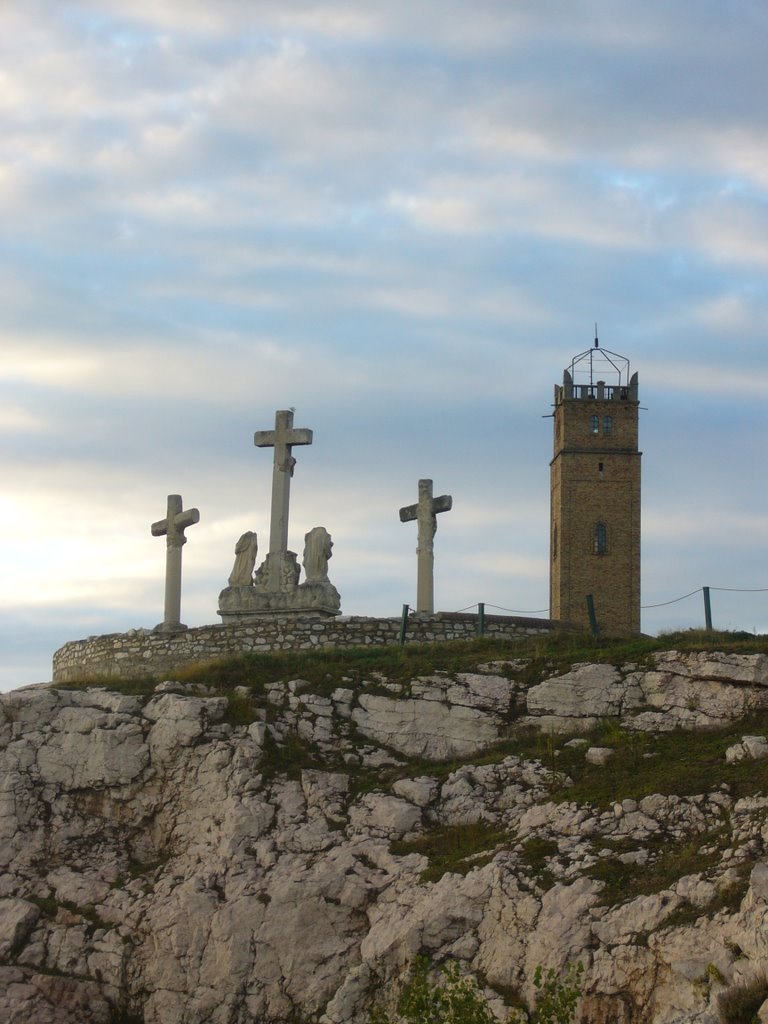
(159, 860)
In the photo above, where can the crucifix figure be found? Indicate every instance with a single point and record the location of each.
(282, 439)
(172, 528)
(425, 513)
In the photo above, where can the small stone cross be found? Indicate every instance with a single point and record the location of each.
(425, 513)
(282, 439)
(172, 528)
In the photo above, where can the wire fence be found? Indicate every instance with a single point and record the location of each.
(498, 607)
(704, 591)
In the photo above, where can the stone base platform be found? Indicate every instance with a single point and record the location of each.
(141, 652)
(308, 600)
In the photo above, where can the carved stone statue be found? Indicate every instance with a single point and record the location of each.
(278, 573)
(245, 559)
(289, 571)
(317, 550)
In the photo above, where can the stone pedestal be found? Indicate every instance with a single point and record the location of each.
(239, 604)
(276, 591)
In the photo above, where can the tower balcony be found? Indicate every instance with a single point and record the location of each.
(599, 391)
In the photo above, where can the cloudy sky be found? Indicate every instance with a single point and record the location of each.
(402, 219)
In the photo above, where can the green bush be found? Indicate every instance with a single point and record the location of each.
(451, 1000)
(556, 995)
(456, 1000)
(740, 1003)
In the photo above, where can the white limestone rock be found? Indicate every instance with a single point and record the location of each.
(758, 882)
(325, 790)
(177, 707)
(179, 721)
(17, 919)
(93, 697)
(421, 791)
(379, 815)
(696, 703)
(509, 916)
(727, 668)
(82, 889)
(696, 890)
(351, 994)
(425, 728)
(634, 920)
(258, 731)
(751, 748)
(426, 919)
(90, 748)
(490, 693)
(599, 755)
(587, 691)
(562, 931)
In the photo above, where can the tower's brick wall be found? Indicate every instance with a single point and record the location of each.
(595, 479)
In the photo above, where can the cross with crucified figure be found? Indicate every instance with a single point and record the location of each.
(172, 528)
(425, 513)
(282, 439)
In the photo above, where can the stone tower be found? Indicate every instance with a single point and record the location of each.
(595, 493)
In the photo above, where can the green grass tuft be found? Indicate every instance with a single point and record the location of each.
(728, 898)
(668, 862)
(240, 709)
(454, 848)
(681, 762)
(740, 1003)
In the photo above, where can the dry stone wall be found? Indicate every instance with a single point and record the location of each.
(142, 652)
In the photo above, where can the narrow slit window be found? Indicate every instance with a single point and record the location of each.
(607, 424)
(594, 424)
(601, 538)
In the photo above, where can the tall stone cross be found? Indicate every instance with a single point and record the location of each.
(172, 528)
(282, 439)
(425, 513)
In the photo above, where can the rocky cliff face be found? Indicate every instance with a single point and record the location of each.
(160, 863)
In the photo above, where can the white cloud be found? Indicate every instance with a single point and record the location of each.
(722, 379)
(727, 314)
(15, 418)
(728, 233)
(40, 361)
(703, 528)
(202, 372)
(538, 203)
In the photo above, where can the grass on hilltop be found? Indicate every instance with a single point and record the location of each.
(328, 668)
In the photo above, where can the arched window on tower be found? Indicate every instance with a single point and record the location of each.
(594, 424)
(607, 424)
(601, 539)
